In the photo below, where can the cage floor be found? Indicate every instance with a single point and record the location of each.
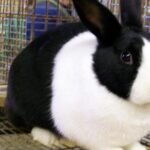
(12, 138)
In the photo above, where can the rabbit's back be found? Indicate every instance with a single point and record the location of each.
(29, 86)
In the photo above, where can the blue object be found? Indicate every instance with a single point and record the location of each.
(36, 26)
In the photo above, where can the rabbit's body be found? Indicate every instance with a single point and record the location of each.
(31, 76)
(77, 112)
(89, 84)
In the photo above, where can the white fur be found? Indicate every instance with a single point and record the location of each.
(43, 136)
(85, 111)
(136, 146)
(48, 139)
(140, 93)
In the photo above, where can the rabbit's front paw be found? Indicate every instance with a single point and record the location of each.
(48, 139)
(43, 136)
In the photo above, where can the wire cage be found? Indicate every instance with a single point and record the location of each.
(20, 22)
(23, 20)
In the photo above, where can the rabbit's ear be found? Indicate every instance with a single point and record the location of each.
(131, 11)
(98, 19)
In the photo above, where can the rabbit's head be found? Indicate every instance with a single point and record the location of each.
(122, 58)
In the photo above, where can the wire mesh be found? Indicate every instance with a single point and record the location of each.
(146, 16)
(23, 20)
(10, 134)
(16, 139)
(12, 38)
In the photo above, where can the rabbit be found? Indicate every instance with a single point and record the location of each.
(88, 81)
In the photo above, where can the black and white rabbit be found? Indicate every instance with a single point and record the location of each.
(89, 83)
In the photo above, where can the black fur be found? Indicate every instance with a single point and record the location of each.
(98, 20)
(113, 40)
(131, 11)
(111, 71)
(29, 86)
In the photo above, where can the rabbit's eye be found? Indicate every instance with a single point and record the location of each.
(126, 57)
